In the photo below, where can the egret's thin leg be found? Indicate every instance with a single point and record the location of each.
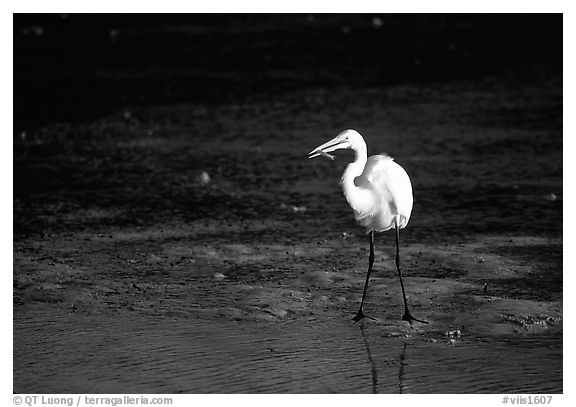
(407, 316)
(360, 314)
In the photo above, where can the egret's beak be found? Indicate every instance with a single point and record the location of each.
(334, 144)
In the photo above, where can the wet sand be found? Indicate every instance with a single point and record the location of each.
(135, 273)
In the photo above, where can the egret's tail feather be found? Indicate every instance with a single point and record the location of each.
(381, 223)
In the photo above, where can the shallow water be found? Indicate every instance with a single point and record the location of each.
(124, 355)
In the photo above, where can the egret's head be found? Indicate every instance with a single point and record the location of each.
(348, 139)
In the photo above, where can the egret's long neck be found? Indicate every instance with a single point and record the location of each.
(354, 169)
(360, 199)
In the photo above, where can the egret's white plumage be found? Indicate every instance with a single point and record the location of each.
(379, 192)
(390, 198)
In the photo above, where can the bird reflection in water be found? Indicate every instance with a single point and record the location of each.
(373, 368)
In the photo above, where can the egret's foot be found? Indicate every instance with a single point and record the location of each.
(360, 315)
(408, 317)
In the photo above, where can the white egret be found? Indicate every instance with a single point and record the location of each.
(379, 192)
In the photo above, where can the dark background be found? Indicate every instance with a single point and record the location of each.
(86, 85)
(84, 66)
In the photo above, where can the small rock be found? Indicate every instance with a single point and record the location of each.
(204, 178)
(453, 332)
(35, 30)
(298, 209)
(551, 197)
(114, 35)
(219, 276)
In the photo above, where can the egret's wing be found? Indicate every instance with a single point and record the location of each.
(375, 167)
(375, 177)
(391, 184)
